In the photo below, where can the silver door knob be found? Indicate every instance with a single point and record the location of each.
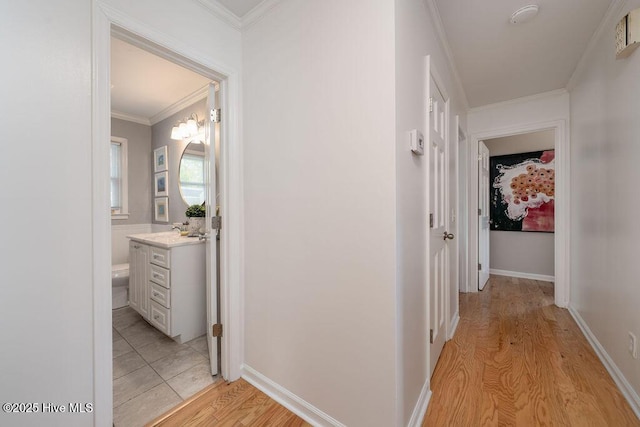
(448, 236)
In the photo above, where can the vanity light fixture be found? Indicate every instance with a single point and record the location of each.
(187, 129)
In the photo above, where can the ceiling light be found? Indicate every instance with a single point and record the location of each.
(187, 128)
(524, 14)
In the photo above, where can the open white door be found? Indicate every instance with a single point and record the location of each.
(438, 219)
(211, 241)
(483, 215)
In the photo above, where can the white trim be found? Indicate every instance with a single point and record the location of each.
(420, 410)
(532, 276)
(258, 12)
(101, 221)
(623, 385)
(130, 118)
(562, 205)
(612, 12)
(524, 99)
(454, 325)
(442, 36)
(119, 216)
(185, 102)
(289, 400)
(221, 12)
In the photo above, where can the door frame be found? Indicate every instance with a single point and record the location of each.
(104, 19)
(562, 204)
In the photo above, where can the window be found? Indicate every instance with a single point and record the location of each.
(119, 182)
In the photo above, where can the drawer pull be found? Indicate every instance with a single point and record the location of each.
(156, 317)
(155, 294)
(157, 276)
(156, 256)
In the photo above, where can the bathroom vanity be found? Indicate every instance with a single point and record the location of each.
(167, 275)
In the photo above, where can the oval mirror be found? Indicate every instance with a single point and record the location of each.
(192, 174)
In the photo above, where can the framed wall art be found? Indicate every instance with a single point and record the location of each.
(522, 194)
(161, 211)
(161, 184)
(160, 159)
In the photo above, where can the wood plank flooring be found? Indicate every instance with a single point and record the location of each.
(223, 404)
(518, 360)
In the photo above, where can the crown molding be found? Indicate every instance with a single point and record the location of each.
(550, 94)
(222, 13)
(240, 23)
(167, 112)
(130, 117)
(442, 35)
(258, 12)
(612, 12)
(180, 105)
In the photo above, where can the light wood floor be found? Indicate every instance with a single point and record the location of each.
(518, 360)
(236, 404)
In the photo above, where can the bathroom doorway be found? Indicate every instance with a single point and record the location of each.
(156, 177)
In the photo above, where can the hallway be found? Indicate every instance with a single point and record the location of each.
(518, 360)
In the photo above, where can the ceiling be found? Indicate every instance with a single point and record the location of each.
(499, 61)
(143, 85)
(495, 60)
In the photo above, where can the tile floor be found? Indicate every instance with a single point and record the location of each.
(151, 372)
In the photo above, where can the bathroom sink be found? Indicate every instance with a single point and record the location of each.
(165, 239)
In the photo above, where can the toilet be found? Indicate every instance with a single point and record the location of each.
(120, 285)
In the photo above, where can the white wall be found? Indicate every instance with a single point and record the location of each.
(120, 243)
(319, 177)
(47, 351)
(46, 308)
(416, 38)
(605, 131)
(522, 252)
(543, 111)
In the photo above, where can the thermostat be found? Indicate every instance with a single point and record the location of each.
(628, 34)
(416, 142)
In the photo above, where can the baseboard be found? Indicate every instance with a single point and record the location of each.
(531, 276)
(421, 406)
(625, 388)
(454, 325)
(295, 404)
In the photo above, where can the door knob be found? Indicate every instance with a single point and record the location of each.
(448, 236)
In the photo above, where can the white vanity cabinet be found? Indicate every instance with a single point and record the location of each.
(172, 272)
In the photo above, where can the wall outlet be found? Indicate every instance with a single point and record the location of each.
(633, 345)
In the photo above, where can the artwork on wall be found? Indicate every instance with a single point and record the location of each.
(162, 209)
(162, 184)
(160, 159)
(523, 191)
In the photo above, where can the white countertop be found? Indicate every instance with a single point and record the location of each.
(167, 239)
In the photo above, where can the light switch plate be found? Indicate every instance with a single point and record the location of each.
(416, 141)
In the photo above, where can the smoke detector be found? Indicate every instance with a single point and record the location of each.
(524, 14)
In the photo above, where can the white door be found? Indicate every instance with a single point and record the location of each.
(483, 215)
(438, 220)
(211, 142)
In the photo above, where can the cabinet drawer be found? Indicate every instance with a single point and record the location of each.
(160, 317)
(161, 257)
(160, 275)
(160, 295)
